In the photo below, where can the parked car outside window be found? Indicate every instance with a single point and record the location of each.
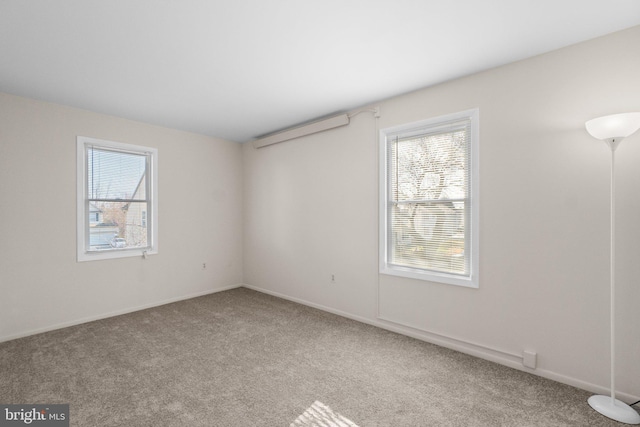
(118, 242)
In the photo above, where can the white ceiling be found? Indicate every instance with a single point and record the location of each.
(237, 69)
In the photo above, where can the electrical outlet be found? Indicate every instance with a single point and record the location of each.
(333, 278)
(204, 265)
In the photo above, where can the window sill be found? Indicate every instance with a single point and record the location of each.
(412, 273)
(113, 254)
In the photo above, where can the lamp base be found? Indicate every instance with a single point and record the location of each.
(618, 411)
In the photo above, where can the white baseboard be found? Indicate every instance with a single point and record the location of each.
(459, 345)
(114, 313)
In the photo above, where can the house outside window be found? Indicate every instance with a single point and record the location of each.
(116, 199)
(95, 214)
(429, 199)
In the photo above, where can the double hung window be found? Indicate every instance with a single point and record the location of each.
(116, 199)
(429, 200)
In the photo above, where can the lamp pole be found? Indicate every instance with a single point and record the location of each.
(613, 144)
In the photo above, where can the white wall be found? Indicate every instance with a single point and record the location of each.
(41, 284)
(311, 211)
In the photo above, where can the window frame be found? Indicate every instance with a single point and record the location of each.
(82, 201)
(423, 127)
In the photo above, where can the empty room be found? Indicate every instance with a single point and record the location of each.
(320, 213)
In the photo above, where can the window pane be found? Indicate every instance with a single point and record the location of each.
(117, 225)
(428, 199)
(429, 236)
(430, 167)
(115, 175)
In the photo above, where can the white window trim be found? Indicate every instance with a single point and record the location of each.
(472, 280)
(83, 214)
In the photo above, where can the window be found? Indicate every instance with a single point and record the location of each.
(116, 200)
(429, 199)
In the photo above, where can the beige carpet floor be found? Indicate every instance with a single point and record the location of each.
(242, 358)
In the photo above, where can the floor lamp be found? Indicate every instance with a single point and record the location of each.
(612, 130)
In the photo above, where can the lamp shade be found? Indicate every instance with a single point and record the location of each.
(616, 126)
